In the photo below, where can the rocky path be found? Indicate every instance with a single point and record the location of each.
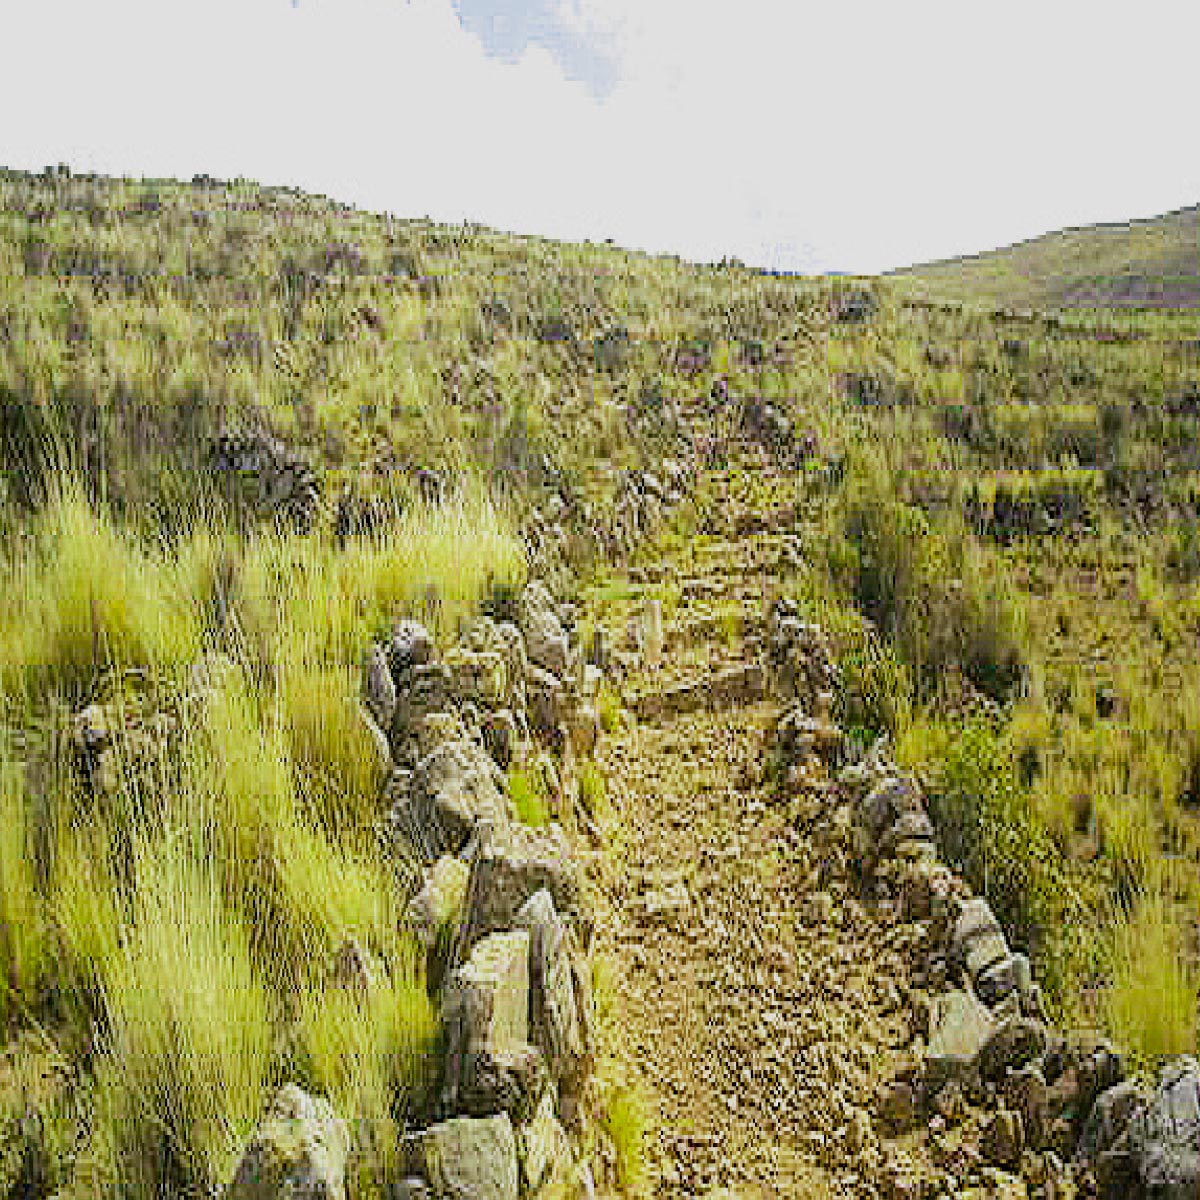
(760, 1004)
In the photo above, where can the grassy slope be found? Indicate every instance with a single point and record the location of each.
(1140, 264)
(141, 318)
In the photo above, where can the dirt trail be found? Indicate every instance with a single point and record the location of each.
(759, 1001)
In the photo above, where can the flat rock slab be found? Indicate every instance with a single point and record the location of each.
(470, 1158)
(742, 684)
(960, 1027)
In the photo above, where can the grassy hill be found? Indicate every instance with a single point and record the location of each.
(242, 430)
(1153, 263)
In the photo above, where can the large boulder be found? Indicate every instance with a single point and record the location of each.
(470, 1158)
(560, 1000)
(411, 645)
(298, 1153)
(436, 807)
(959, 1028)
(546, 641)
(490, 1064)
(1164, 1136)
(511, 867)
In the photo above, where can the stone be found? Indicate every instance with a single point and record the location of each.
(453, 788)
(411, 646)
(379, 688)
(977, 941)
(500, 737)
(1013, 1044)
(1108, 1120)
(908, 827)
(471, 1158)
(480, 676)
(490, 1065)
(546, 700)
(885, 803)
(543, 1149)
(299, 1152)
(558, 993)
(1164, 1135)
(1025, 1092)
(898, 1106)
(1011, 974)
(1003, 1139)
(512, 867)
(960, 1027)
(423, 690)
(545, 639)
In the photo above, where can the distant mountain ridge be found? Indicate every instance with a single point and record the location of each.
(1151, 263)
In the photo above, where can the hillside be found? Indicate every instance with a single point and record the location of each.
(1151, 263)
(487, 717)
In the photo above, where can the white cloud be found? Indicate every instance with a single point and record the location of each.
(813, 135)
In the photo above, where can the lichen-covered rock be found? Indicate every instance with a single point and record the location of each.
(546, 641)
(1164, 1136)
(298, 1153)
(546, 699)
(471, 1158)
(977, 942)
(411, 645)
(960, 1027)
(1012, 1044)
(379, 687)
(436, 807)
(480, 676)
(516, 864)
(490, 1064)
(422, 691)
(560, 1003)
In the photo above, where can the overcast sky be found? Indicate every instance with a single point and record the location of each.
(853, 135)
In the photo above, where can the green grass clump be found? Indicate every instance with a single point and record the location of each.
(189, 1046)
(528, 795)
(85, 597)
(627, 1122)
(608, 707)
(25, 949)
(593, 792)
(1151, 1004)
(372, 1053)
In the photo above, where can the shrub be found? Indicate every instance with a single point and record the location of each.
(990, 831)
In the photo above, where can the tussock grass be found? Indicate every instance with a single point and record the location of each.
(1152, 1002)
(86, 598)
(372, 1053)
(528, 796)
(626, 1120)
(25, 951)
(188, 1053)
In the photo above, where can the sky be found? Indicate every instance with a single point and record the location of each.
(855, 136)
